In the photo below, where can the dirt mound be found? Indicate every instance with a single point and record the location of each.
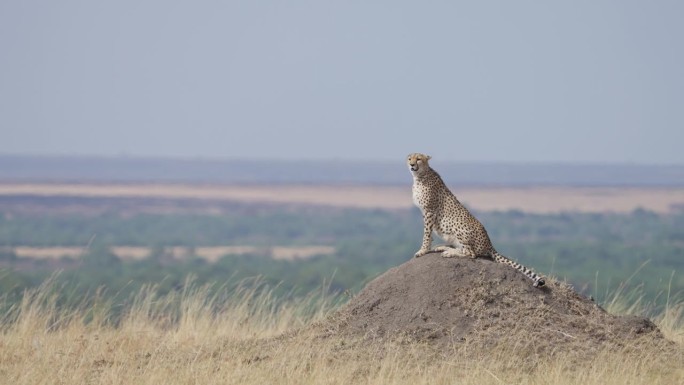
(448, 301)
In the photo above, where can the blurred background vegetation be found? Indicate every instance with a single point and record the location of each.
(597, 253)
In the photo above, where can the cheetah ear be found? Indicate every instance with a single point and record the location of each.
(428, 157)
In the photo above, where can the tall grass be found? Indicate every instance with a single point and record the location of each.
(242, 334)
(628, 299)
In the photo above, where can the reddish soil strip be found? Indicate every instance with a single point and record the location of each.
(529, 199)
(210, 253)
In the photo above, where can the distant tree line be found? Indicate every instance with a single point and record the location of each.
(595, 252)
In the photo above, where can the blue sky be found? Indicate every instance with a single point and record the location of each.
(494, 81)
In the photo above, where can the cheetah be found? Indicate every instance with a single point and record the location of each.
(446, 216)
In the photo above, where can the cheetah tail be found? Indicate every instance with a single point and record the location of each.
(537, 279)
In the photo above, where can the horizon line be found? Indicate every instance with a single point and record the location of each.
(218, 159)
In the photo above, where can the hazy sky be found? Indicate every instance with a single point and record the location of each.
(573, 81)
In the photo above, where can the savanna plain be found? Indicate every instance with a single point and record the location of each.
(250, 318)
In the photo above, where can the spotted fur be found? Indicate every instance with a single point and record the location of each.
(446, 216)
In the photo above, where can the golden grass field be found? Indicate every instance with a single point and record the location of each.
(529, 199)
(246, 337)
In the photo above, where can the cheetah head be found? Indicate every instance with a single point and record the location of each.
(418, 163)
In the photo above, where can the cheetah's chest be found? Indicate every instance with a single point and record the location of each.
(420, 192)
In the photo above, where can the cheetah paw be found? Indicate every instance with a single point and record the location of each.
(420, 253)
(447, 251)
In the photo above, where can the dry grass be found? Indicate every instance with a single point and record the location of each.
(244, 336)
(529, 199)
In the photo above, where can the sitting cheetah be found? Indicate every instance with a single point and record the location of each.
(446, 216)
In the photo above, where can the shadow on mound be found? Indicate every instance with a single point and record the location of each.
(481, 302)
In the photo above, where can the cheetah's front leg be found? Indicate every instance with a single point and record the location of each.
(429, 223)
